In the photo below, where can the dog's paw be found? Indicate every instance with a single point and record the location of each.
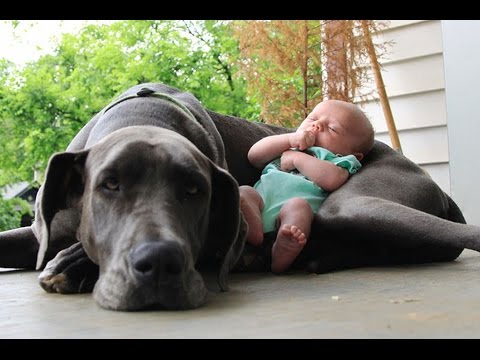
(70, 272)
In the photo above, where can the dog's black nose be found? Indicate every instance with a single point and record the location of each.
(159, 260)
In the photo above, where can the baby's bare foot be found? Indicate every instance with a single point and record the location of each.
(289, 243)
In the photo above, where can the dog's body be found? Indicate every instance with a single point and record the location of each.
(144, 190)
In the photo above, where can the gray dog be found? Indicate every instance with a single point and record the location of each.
(141, 201)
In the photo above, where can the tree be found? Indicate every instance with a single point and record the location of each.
(45, 103)
(11, 212)
(293, 65)
(226, 90)
(282, 66)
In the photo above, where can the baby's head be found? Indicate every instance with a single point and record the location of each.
(340, 127)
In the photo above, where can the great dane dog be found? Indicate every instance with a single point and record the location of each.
(144, 204)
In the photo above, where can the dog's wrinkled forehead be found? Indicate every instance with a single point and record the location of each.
(146, 147)
(148, 135)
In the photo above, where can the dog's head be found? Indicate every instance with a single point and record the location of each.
(153, 209)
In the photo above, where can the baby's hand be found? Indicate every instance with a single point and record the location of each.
(302, 139)
(286, 160)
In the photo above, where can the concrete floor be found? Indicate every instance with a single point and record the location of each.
(424, 301)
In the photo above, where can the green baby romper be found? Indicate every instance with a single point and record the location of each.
(276, 186)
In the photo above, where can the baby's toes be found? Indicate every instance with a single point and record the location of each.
(286, 230)
(293, 230)
(297, 234)
(301, 237)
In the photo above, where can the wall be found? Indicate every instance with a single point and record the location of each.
(462, 75)
(414, 79)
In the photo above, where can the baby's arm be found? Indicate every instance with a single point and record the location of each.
(271, 147)
(323, 173)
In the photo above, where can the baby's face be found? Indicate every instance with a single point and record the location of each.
(335, 127)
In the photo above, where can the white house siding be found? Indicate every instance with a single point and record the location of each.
(413, 73)
(461, 51)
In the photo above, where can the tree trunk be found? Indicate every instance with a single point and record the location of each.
(387, 111)
(336, 61)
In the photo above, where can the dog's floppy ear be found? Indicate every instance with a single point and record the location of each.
(226, 234)
(62, 189)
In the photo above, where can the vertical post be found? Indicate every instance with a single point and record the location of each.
(387, 111)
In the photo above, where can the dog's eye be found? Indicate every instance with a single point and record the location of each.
(191, 190)
(111, 183)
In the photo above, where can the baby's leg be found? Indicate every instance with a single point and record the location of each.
(251, 205)
(295, 219)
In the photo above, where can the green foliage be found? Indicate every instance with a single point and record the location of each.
(45, 103)
(11, 212)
